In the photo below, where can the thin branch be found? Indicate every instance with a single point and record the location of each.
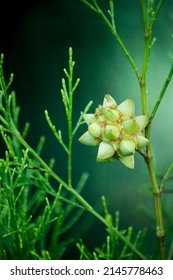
(99, 11)
(80, 122)
(57, 135)
(166, 177)
(111, 12)
(162, 93)
(89, 5)
(155, 14)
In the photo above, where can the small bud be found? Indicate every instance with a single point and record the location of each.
(101, 118)
(127, 147)
(115, 145)
(70, 51)
(130, 126)
(105, 151)
(2, 57)
(128, 161)
(141, 121)
(112, 114)
(88, 139)
(109, 101)
(111, 132)
(141, 141)
(99, 110)
(94, 129)
(89, 118)
(127, 108)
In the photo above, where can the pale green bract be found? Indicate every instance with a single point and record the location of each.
(116, 130)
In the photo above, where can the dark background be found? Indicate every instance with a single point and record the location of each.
(35, 38)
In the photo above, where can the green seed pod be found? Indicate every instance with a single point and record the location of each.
(141, 121)
(141, 141)
(116, 131)
(105, 151)
(88, 139)
(109, 101)
(127, 147)
(112, 114)
(111, 132)
(128, 161)
(115, 145)
(99, 111)
(89, 118)
(127, 108)
(94, 129)
(101, 118)
(130, 126)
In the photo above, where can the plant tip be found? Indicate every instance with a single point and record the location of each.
(70, 51)
(2, 56)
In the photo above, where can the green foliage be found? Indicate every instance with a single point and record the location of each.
(38, 208)
(150, 11)
(36, 215)
(112, 249)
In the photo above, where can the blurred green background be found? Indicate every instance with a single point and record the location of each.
(35, 37)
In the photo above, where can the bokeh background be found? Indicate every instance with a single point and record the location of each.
(35, 38)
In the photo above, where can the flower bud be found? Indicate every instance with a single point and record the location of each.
(111, 132)
(105, 151)
(88, 139)
(127, 108)
(141, 141)
(112, 114)
(101, 118)
(115, 145)
(127, 147)
(141, 121)
(94, 129)
(89, 118)
(109, 101)
(130, 126)
(128, 161)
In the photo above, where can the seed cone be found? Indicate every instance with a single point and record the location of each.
(116, 130)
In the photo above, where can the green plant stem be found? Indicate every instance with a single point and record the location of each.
(157, 198)
(149, 156)
(149, 17)
(155, 14)
(70, 114)
(71, 190)
(165, 178)
(162, 93)
(11, 128)
(5, 88)
(147, 40)
(120, 236)
(112, 28)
